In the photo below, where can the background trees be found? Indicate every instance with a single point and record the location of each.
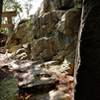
(22, 9)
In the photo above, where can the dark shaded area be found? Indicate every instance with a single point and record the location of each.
(39, 89)
(3, 39)
(1, 4)
(3, 74)
(88, 78)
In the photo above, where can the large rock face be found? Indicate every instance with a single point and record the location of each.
(55, 33)
(51, 44)
(45, 24)
(52, 35)
(43, 50)
(69, 23)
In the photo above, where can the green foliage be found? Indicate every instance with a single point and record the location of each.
(11, 5)
(8, 89)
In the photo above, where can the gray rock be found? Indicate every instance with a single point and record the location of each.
(63, 4)
(70, 22)
(30, 75)
(44, 48)
(45, 25)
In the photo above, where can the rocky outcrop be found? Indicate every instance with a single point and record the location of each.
(69, 24)
(22, 35)
(49, 43)
(45, 24)
(55, 32)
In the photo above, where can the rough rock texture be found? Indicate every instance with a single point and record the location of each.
(54, 32)
(69, 24)
(30, 74)
(45, 24)
(50, 43)
(21, 36)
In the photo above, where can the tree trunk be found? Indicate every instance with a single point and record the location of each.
(1, 4)
(88, 77)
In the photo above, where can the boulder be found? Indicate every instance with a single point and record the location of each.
(29, 74)
(45, 24)
(21, 36)
(44, 49)
(70, 21)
